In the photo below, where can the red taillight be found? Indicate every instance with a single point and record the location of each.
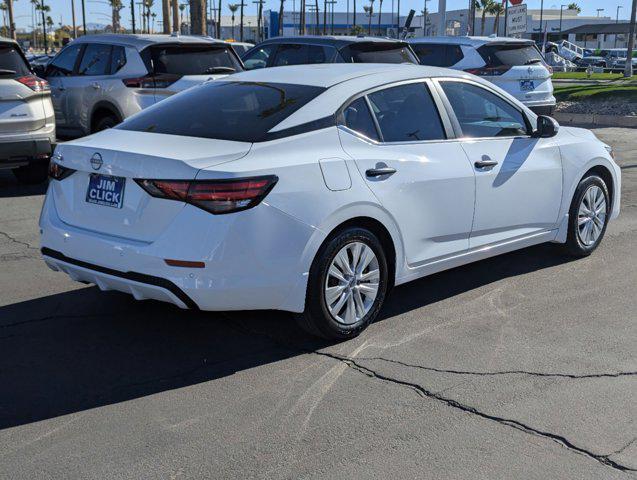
(34, 83)
(151, 81)
(214, 196)
(488, 71)
(58, 172)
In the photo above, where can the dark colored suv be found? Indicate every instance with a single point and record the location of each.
(282, 51)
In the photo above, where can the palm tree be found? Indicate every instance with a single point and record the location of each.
(153, 16)
(176, 19)
(148, 4)
(380, 11)
(197, 17)
(9, 5)
(281, 18)
(575, 6)
(116, 7)
(165, 15)
(497, 9)
(485, 6)
(182, 7)
(5, 29)
(354, 10)
(233, 8)
(369, 10)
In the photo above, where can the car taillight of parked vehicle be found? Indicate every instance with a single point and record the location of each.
(58, 172)
(151, 81)
(489, 71)
(36, 84)
(214, 196)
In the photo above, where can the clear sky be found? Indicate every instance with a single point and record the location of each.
(98, 11)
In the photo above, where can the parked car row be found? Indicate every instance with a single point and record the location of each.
(97, 81)
(611, 58)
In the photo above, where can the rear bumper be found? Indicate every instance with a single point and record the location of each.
(22, 151)
(253, 259)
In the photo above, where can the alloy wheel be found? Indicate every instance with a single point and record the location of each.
(591, 215)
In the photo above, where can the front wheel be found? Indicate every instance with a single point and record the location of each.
(588, 216)
(346, 286)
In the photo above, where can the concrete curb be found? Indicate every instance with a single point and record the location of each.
(599, 120)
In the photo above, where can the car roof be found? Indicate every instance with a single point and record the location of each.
(338, 41)
(142, 41)
(7, 40)
(470, 41)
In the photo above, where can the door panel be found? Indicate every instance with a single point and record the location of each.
(519, 196)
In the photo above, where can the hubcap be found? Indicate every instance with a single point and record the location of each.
(352, 283)
(591, 215)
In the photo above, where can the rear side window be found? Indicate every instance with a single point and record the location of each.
(438, 55)
(11, 62)
(239, 111)
(357, 117)
(63, 64)
(96, 60)
(118, 59)
(407, 113)
(290, 54)
(378, 52)
(190, 59)
(510, 55)
(482, 113)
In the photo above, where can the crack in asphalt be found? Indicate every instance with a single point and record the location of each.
(503, 372)
(425, 393)
(18, 242)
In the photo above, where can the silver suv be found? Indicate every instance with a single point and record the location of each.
(27, 124)
(99, 80)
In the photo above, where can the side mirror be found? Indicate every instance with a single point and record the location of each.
(546, 127)
(39, 70)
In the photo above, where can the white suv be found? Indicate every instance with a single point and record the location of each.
(514, 65)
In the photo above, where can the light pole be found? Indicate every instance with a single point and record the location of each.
(561, 10)
(628, 70)
(541, 18)
(616, 22)
(600, 10)
(424, 20)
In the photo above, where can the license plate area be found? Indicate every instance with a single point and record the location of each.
(105, 190)
(527, 85)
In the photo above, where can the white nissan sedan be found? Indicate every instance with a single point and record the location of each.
(315, 189)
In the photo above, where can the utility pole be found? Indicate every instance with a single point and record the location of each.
(561, 10)
(73, 15)
(84, 16)
(46, 41)
(425, 14)
(9, 4)
(541, 18)
(506, 17)
(616, 23)
(628, 70)
(241, 5)
(132, 12)
(442, 12)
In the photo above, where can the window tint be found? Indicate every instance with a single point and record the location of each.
(118, 59)
(96, 60)
(482, 113)
(63, 64)
(190, 59)
(258, 58)
(358, 118)
(378, 52)
(302, 55)
(510, 55)
(12, 61)
(407, 113)
(438, 55)
(240, 111)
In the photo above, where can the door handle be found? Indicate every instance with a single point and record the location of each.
(486, 162)
(379, 172)
(95, 85)
(61, 88)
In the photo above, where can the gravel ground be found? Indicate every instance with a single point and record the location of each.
(613, 107)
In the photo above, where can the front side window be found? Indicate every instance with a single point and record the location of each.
(238, 111)
(11, 62)
(96, 60)
(482, 113)
(259, 57)
(190, 59)
(357, 117)
(63, 64)
(407, 113)
(378, 52)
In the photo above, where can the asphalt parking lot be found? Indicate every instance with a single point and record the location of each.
(518, 367)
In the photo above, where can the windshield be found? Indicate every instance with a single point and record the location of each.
(11, 62)
(239, 111)
(190, 59)
(510, 55)
(378, 52)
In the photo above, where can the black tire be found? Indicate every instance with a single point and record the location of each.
(574, 245)
(317, 319)
(108, 121)
(33, 173)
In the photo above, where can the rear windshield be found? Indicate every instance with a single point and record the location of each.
(190, 59)
(239, 111)
(378, 52)
(510, 55)
(11, 62)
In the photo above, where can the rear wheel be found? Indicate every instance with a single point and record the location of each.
(588, 216)
(102, 123)
(33, 173)
(347, 285)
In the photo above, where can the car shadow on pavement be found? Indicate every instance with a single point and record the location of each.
(84, 348)
(9, 186)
